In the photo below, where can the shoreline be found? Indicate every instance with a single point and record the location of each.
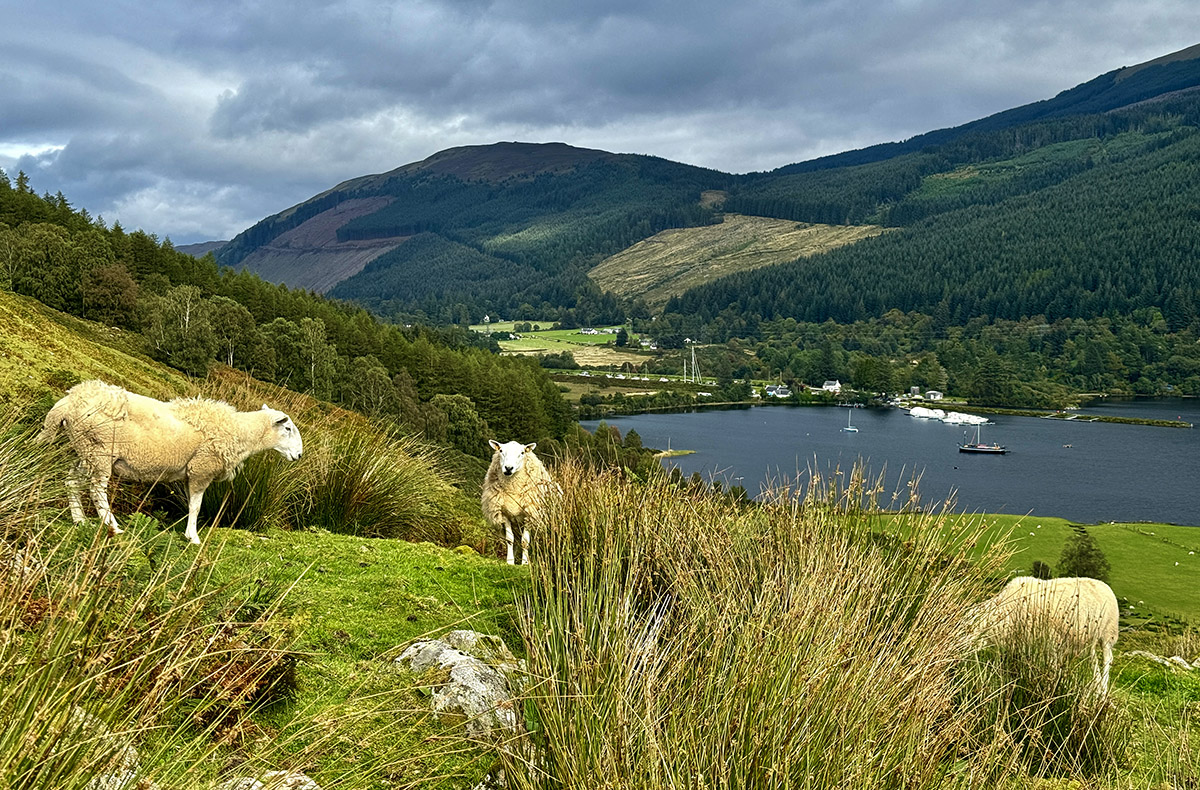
(1046, 414)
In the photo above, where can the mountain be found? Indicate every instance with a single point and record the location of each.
(476, 228)
(1168, 75)
(551, 231)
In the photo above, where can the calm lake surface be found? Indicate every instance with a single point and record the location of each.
(1083, 471)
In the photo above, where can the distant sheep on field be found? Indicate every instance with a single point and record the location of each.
(1081, 614)
(195, 440)
(514, 490)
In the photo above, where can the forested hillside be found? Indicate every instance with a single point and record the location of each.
(1076, 229)
(1066, 252)
(191, 313)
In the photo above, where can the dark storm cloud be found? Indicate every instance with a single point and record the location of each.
(196, 119)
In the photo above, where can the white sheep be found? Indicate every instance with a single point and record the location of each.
(115, 432)
(1079, 613)
(514, 490)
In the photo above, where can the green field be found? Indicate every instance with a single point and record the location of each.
(597, 350)
(1158, 564)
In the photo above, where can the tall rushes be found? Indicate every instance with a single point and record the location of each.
(1030, 702)
(354, 477)
(360, 481)
(23, 472)
(101, 649)
(678, 640)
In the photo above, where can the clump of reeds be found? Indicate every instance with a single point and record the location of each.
(354, 478)
(1031, 702)
(679, 639)
(362, 482)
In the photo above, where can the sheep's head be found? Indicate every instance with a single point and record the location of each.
(511, 454)
(287, 436)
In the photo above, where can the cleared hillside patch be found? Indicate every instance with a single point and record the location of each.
(670, 262)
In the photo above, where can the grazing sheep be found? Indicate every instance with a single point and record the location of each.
(1080, 614)
(514, 488)
(114, 432)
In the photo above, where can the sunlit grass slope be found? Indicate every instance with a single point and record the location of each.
(670, 262)
(43, 351)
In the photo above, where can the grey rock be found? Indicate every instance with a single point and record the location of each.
(124, 758)
(468, 685)
(1174, 662)
(489, 649)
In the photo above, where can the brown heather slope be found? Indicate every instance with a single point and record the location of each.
(670, 262)
(310, 255)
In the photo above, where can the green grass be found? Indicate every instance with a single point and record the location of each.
(44, 352)
(787, 632)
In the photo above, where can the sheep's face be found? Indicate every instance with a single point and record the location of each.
(287, 436)
(512, 455)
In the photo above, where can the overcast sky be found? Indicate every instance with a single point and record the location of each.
(194, 120)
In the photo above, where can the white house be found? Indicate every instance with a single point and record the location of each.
(933, 395)
(834, 386)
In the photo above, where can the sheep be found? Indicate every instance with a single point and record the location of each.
(514, 490)
(196, 440)
(1080, 614)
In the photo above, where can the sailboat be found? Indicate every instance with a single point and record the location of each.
(849, 428)
(979, 447)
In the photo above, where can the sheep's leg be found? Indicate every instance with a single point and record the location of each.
(508, 536)
(75, 480)
(195, 495)
(525, 547)
(1108, 656)
(100, 498)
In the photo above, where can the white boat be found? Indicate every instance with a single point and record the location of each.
(928, 414)
(958, 418)
(849, 428)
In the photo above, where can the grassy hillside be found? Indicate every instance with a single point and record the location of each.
(278, 641)
(43, 351)
(672, 261)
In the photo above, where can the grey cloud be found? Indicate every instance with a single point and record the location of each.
(224, 112)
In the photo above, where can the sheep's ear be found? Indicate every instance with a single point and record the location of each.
(494, 444)
(529, 447)
(265, 407)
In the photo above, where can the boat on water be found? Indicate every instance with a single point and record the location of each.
(849, 428)
(979, 447)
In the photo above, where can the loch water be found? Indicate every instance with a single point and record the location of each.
(1083, 471)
